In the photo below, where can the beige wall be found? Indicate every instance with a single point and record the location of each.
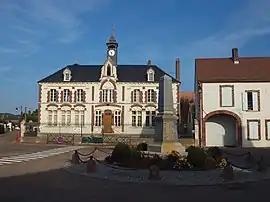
(45, 87)
(211, 102)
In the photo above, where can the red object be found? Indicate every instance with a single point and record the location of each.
(17, 138)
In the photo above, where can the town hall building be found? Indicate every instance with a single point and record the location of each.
(103, 99)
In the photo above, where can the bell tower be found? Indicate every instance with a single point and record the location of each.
(112, 47)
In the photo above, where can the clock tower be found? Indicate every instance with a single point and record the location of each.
(112, 46)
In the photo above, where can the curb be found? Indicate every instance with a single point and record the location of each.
(217, 184)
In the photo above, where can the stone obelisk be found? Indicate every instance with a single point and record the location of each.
(166, 137)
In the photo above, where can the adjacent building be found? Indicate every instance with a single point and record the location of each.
(109, 98)
(232, 96)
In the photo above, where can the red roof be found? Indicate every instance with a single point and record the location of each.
(249, 69)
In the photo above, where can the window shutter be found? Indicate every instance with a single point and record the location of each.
(114, 96)
(57, 95)
(75, 96)
(62, 96)
(69, 95)
(255, 101)
(48, 96)
(84, 96)
(100, 96)
(146, 96)
(141, 96)
(155, 96)
(244, 101)
(131, 96)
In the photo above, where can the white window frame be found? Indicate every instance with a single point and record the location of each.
(79, 95)
(98, 118)
(136, 118)
(151, 75)
(150, 95)
(251, 100)
(253, 127)
(136, 95)
(53, 95)
(107, 95)
(65, 118)
(150, 115)
(52, 117)
(66, 95)
(77, 117)
(117, 118)
(223, 97)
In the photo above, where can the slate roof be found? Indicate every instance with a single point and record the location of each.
(249, 69)
(91, 73)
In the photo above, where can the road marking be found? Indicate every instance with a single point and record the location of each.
(37, 155)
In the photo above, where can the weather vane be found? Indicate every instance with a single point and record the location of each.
(113, 30)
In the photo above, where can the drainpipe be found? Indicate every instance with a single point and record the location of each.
(199, 88)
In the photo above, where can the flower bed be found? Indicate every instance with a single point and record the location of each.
(196, 159)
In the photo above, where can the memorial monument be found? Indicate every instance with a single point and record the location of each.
(166, 137)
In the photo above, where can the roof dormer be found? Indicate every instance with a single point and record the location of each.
(67, 74)
(150, 72)
(108, 70)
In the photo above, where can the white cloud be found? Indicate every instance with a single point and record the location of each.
(247, 23)
(29, 22)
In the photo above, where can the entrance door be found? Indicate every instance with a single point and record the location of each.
(107, 121)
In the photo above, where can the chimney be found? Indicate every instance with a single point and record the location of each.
(177, 69)
(235, 56)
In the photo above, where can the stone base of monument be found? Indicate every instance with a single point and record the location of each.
(167, 147)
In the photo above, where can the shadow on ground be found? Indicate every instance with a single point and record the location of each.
(59, 185)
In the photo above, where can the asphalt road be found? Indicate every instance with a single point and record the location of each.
(44, 180)
(9, 147)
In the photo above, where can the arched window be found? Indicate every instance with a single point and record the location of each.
(109, 71)
(151, 75)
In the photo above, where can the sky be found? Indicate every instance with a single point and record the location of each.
(39, 37)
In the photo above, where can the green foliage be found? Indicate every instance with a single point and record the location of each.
(215, 153)
(196, 157)
(142, 147)
(121, 153)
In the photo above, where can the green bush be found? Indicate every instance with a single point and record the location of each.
(215, 153)
(196, 157)
(142, 147)
(121, 153)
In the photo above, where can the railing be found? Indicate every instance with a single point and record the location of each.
(55, 138)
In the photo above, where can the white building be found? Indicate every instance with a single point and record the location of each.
(233, 101)
(107, 98)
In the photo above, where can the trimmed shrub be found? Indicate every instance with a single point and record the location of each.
(142, 147)
(215, 153)
(196, 157)
(121, 153)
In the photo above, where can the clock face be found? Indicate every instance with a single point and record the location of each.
(111, 52)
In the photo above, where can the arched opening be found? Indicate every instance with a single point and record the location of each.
(222, 128)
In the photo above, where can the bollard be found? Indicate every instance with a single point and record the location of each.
(91, 165)
(249, 159)
(154, 173)
(261, 165)
(17, 138)
(228, 173)
(75, 159)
